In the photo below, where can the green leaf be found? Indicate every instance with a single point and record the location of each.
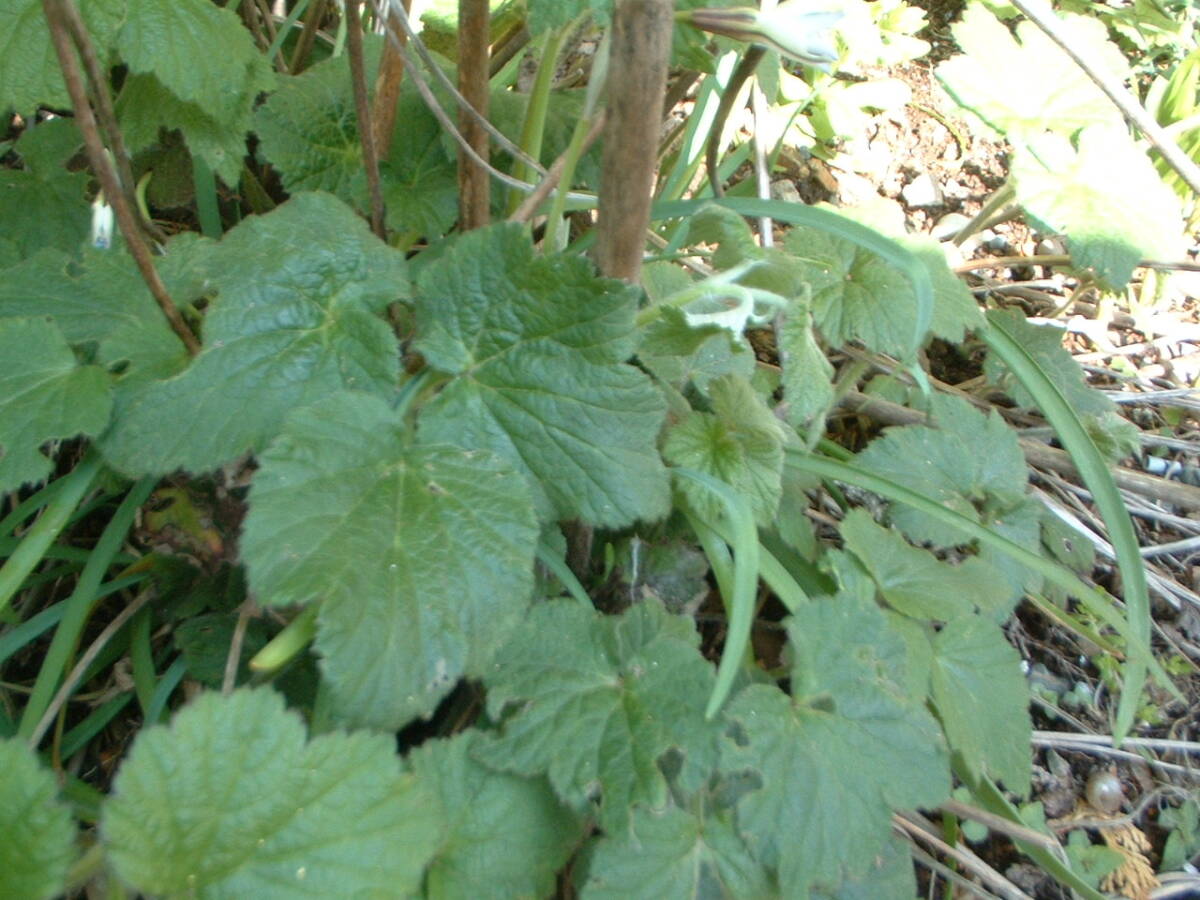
(675, 855)
(43, 206)
(1044, 344)
(597, 719)
(506, 836)
(145, 106)
(232, 801)
(29, 72)
(198, 51)
(421, 557)
(44, 395)
(858, 296)
(982, 699)
(1042, 87)
(807, 372)
(39, 836)
(538, 347)
(740, 442)
(839, 755)
(296, 318)
(889, 876)
(547, 14)
(1105, 196)
(917, 583)
(678, 352)
(970, 463)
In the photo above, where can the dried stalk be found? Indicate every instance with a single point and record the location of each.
(474, 185)
(362, 108)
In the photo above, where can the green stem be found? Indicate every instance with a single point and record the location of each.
(534, 129)
(41, 535)
(80, 605)
(289, 643)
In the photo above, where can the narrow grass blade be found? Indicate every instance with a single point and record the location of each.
(1098, 478)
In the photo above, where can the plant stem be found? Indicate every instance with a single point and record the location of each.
(289, 643)
(362, 108)
(474, 185)
(387, 84)
(637, 82)
(534, 129)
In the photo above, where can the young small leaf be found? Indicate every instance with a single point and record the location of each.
(740, 442)
(506, 836)
(421, 557)
(296, 318)
(674, 854)
(232, 801)
(538, 345)
(39, 836)
(44, 395)
(596, 719)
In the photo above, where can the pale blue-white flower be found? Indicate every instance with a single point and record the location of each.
(793, 28)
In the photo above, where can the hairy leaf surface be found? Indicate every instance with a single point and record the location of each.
(675, 855)
(596, 718)
(506, 836)
(29, 71)
(840, 754)
(39, 836)
(232, 800)
(42, 205)
(296, 318)
(421, 557)
(983, 700)
(44, 395)
(918, 584)
(538, 347)
(740, 443)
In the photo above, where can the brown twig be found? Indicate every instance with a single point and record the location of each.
(106, 173)
(530, 204)
(362, 107)
(106, 116)
(637, 81)
(312, 22)
(387, 84)
(474, 185)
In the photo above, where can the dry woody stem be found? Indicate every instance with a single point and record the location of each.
(58, 14)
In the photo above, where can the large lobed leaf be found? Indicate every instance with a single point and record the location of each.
(538, 347)
(44, 395)
(232, 800)
(595, 701)
(39, 836)
(43, 205)
(838, 756)
(674, 854)
(296, 318)
(506, 836)
(421, 557)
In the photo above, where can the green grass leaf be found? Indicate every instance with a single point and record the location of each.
(44, 395)
(505, 836)
(538, 347)
(672, 854)
(740, 443)
(982, 699)
(839, 755)
(232, 800)
(296, 318)
(39, 836)
(421, 557)
(596, 719)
